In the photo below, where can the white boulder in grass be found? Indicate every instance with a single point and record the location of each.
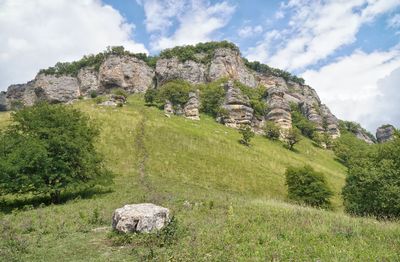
(141, 218)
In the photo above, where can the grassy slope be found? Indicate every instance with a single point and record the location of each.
(235, 195)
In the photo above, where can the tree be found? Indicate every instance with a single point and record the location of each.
(272, 131)
(247, 135)
(307, 186)
(373, 181)
(176, 91)
(212, 95)
(48, 149)
(292, 137)
(150, 96)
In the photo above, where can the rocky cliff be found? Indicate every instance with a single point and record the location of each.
(385, 133)
(135, 75)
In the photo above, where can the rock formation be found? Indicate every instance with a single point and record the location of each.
(190, 71)
(385, 133)
(128, 73)
(331, 123)
(236, 107)
(279, 109)
(141, 218)
(191, 108)
(56, 89)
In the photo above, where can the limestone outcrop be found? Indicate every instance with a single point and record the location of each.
(56, 89)
(140, 218)
(169, 69)
(88, 80)
(385, 133)
(236, 107)
(191, 108)
(279, 109)
(126, 72)
(331, 123)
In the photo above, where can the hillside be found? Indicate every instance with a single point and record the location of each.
(229, 200)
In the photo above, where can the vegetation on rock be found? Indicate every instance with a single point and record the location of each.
(306, 127)
(247, 135)
(256, 96)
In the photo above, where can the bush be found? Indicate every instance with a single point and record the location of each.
(256, 96)
(247, 135)
(120, 92)
(176, 91)
(348, 147)
(48, 149)
(373, 181)
(292, 137)
(100, 99)
(306, 186)
(272, 131)
(306, 127)
(93, 94)
(212, 95)
(150, 97)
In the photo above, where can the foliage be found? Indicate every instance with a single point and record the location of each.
(307, 186)
(354, 128)
(48, 149)
(306, 127)
(323, 140)
(150, 97)
(175, 91)
(189, 52)
(93, 94)
(95, 61)
(348, 147)
(373, 181)
(256, 96)
(272, 131)
(292, 137)
(265, 69)
(212, 95)
(247, 135)
(120, 92)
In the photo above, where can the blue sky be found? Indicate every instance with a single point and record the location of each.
(348, 50)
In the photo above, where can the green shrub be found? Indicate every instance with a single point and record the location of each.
(100, 99)
(150, 97)
(348, 147)
(373, 181)
(247, 135)
(49, 149)
(120, 92)
(93, 94)
(212, 95)
(256, 96)
(176, 91)
(306, 127)
(306, 186)
(272, 131)
(292, 137)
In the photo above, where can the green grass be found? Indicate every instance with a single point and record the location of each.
(229, 200)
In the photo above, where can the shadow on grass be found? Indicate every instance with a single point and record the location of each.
(27, 202)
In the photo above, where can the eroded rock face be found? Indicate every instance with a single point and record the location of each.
(88, 80)
(228, 63)
(360, 134)
(279, 109)
(141, 218)
(191, 108)
(56, 89)
(169, 69)
(3, 102)
(385, 133)
(128, 73)
(237, 107)
(312, 113)
(331, 122)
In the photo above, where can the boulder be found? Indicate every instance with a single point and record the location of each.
(279, 110)
(88, 80)
(190, 71)
(228, 63)
(126, 72)
(140, 218)
(114, 100)
(191, 108)
(169, 108)
(56, 89)
(385, 133)
(237, 107)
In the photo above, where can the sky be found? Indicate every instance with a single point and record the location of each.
(348, 50)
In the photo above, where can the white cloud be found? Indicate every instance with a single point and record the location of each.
(394, 21)
(196, 21)
(318, 28)
(361, 87)
(250, 31)
(37, 34)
